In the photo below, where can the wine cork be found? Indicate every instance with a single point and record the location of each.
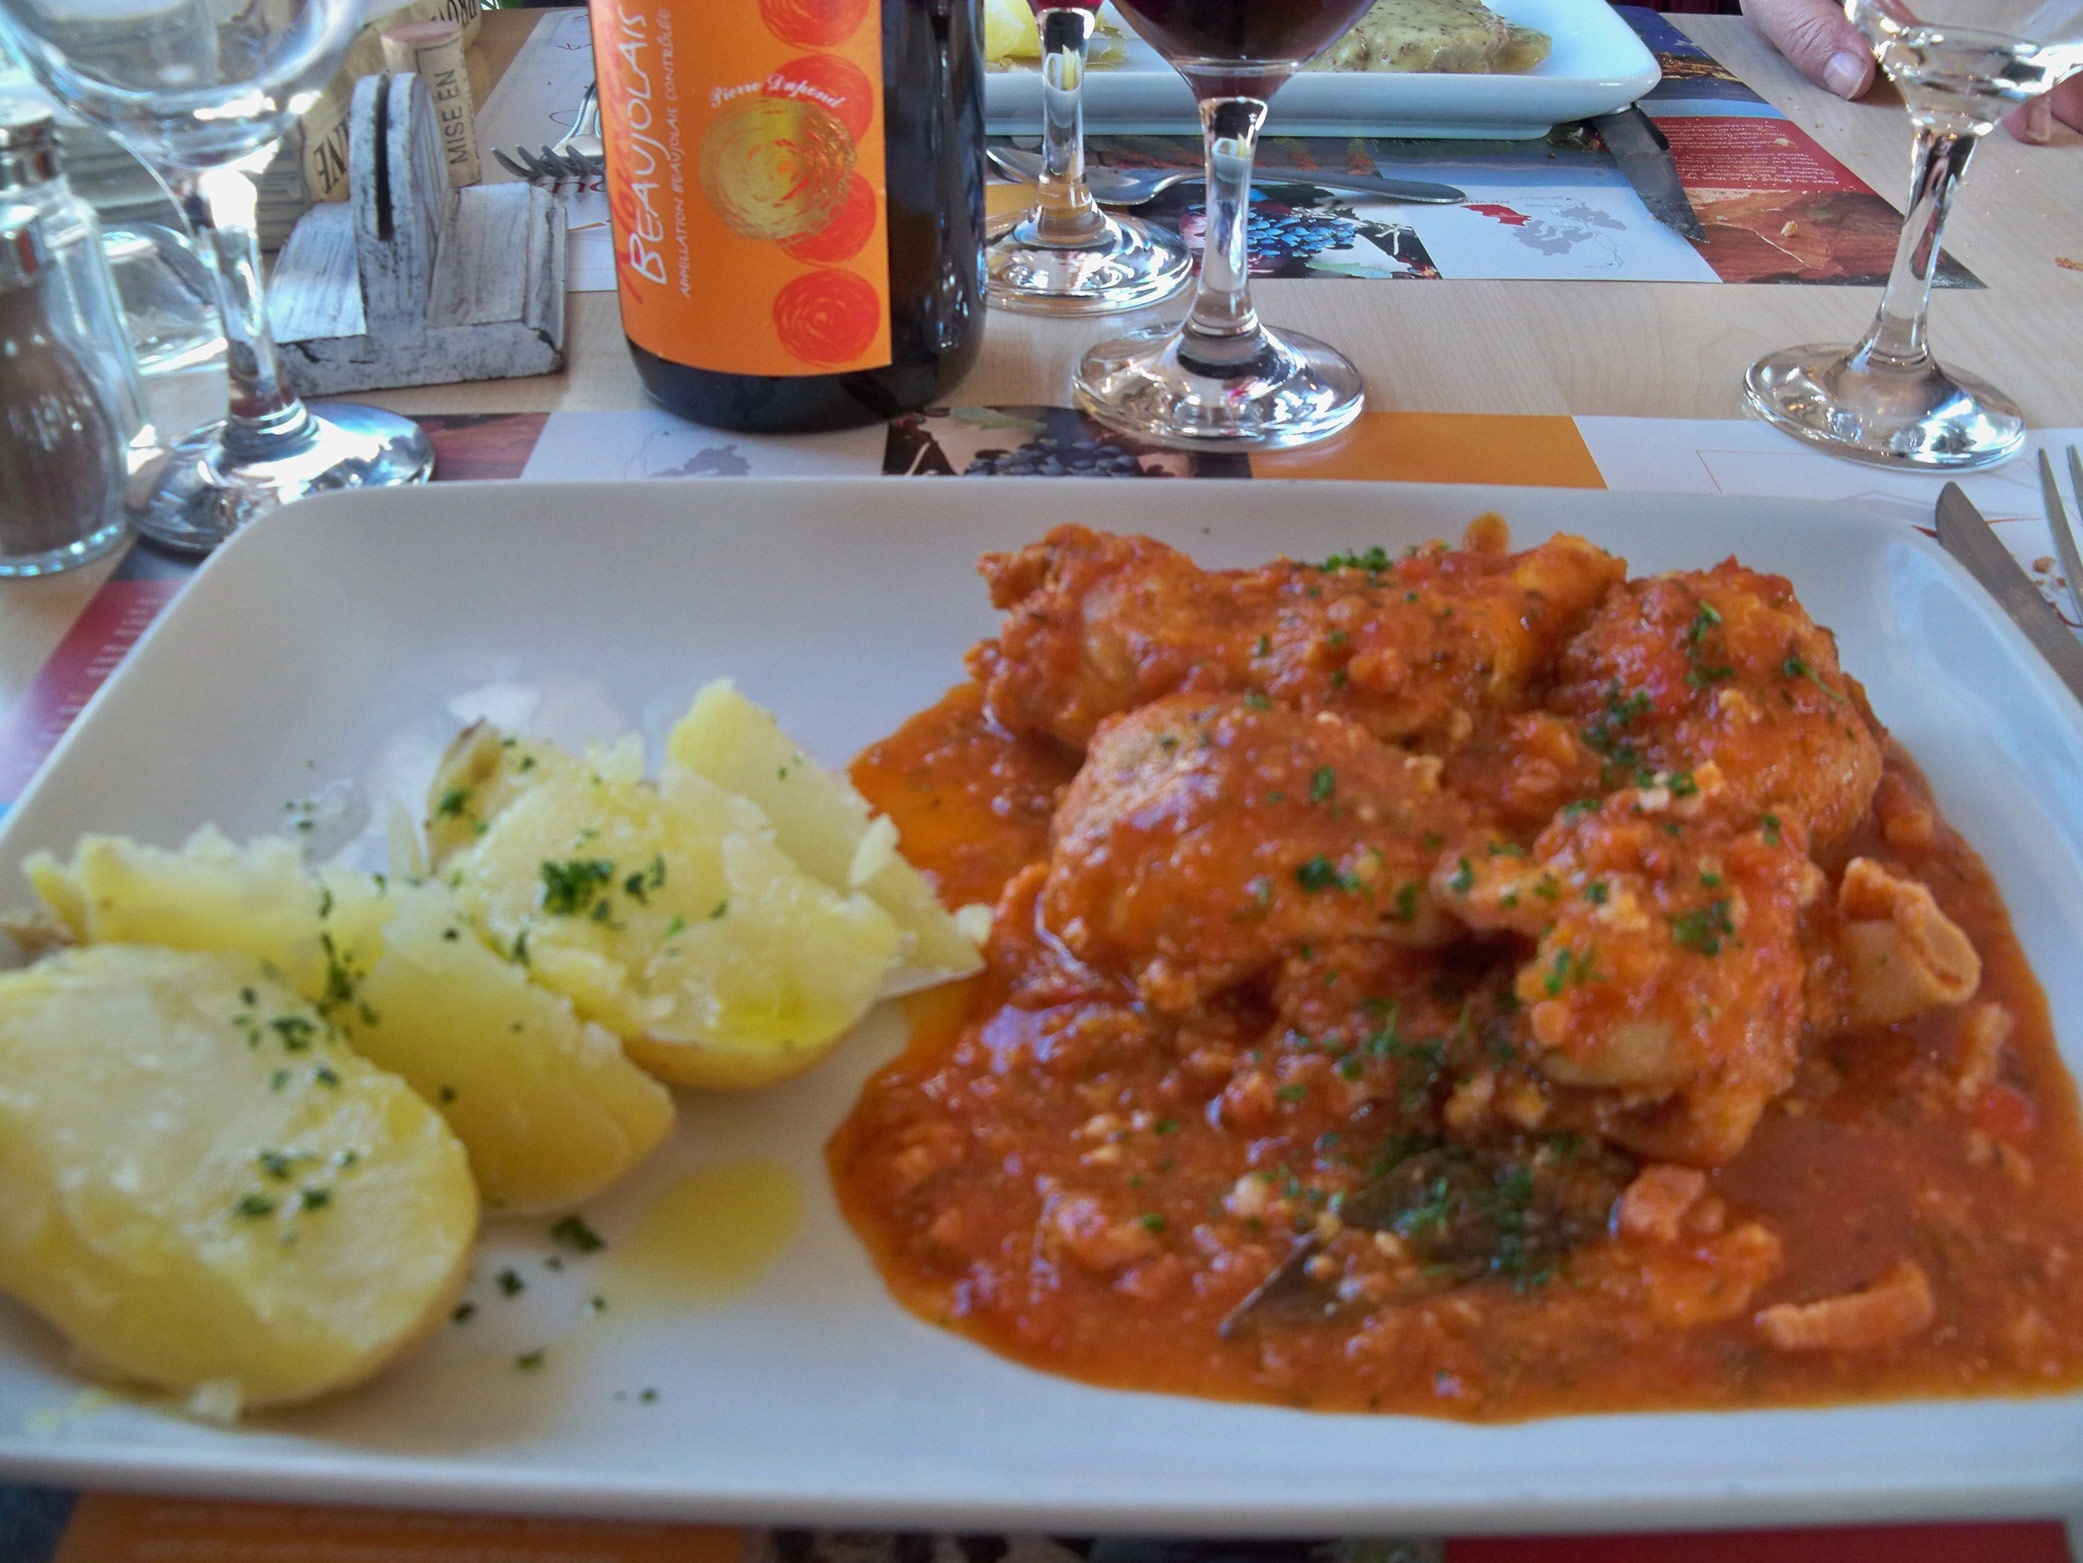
(434, 50)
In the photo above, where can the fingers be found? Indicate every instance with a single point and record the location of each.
(2034, 122)
(1817, 40)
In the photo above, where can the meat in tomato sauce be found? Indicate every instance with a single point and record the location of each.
(1473, 984)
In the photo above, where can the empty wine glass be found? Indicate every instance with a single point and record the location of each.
(1065, 256)
(1885, 399)
(1221, 380)
(202, 91)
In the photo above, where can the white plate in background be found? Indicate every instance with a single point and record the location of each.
(345, 638)
(1598, 65)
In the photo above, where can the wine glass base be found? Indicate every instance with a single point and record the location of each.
(1126, 265)
(1912, 415)
(1150, 384)
(201, 498)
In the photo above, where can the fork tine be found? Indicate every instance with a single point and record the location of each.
(2064, 532)
(2076, 476)
(510, 165)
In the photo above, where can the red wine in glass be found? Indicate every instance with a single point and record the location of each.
(1240, 48)
(1221, 380)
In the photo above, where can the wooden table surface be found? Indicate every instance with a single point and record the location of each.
(1623, 348)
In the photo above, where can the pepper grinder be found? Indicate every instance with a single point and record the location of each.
(62, 453)
(82, 292)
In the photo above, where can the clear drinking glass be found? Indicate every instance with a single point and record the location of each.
(1221, 380)
(202, 91)
(1885, 399)
(1064, 256)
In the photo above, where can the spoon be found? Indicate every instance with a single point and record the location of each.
(1136, 186)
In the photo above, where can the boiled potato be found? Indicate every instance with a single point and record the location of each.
(820, 821)
(200, 1185)
(259, 900)
(682, 928)
(550, 1109)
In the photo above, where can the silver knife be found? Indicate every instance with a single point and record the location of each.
(1966, 536)
(2062, 527)
(1645, 157)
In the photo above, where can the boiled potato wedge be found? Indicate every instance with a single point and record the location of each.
(682, 928)
(201, 1185)
(820, 821)
(550, 1109)
(548, 1105)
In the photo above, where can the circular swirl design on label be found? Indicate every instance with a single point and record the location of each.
(827, 317)
(776, 168)
(813, 24)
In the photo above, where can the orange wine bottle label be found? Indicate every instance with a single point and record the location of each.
(745, 178)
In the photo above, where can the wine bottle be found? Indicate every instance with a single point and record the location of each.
(797, 195)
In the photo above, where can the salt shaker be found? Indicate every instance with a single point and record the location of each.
(82, 293)
(62, 451)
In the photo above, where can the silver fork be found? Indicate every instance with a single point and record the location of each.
(2063, 528)
(578, 154)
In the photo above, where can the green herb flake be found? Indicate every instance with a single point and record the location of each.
(1464, 878)
(575, 1234)
(453, 802)
(510, 1283)
(569, 888)
(1596, 892)
(254, 1206)
(1323, 784)
(317, 1198)
(1704, 929)
(529, 1361)
(1320, 873)
(1151, 1222)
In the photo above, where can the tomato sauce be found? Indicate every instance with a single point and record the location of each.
(1093, 1190)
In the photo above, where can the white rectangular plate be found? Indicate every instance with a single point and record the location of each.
(346, 637)
(1597, 65)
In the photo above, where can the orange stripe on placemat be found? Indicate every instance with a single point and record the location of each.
(2032, 1541)
(113, 1528)
(1445, 447)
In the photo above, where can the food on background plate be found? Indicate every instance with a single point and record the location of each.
(1462, 36)
(1467, 982)
(206, 1191)
(203, 1081)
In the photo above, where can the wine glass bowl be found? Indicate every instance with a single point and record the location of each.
(1064, 255)
(203, 94)
(1221, 380)
(1885, 399)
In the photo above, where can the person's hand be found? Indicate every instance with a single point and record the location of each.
(1820, 42)
(2035, 121)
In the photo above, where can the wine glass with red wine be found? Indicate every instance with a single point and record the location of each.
(1064, 256)
(1221, 380)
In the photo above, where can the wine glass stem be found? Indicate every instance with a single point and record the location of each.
(265, 415)
(1065, 212)
(1938, 163)
(1222, 327)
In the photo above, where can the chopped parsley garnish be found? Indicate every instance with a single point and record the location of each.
(574, 1234)
(569, 888)
(638, 886)
(1323, 784)
(510, 1283)
(254, 1206)
(1373, 560)
(453, 802)
(1595, 892)
(1320, 873)
(1151, 1222)
(1464, 878)
(317, 1198)
(529, 1361)
(1704, 929)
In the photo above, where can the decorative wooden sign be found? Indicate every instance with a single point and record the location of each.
(408, 282)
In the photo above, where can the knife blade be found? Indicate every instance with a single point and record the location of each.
(2063, 528)
(1645, 157)
(1966, 536)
